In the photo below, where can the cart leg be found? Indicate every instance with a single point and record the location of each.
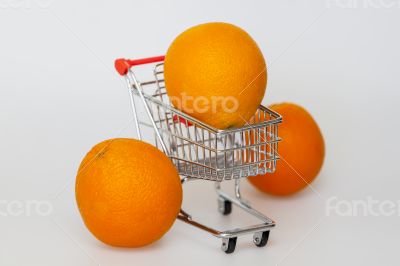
(187, 218)
(229, 237)
(240, 202)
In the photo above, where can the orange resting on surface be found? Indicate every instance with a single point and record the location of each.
(128, 192)
(216, 73)
(302, 152)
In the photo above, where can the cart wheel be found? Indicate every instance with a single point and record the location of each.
(224, 206)
(260, 239)
(228, 245)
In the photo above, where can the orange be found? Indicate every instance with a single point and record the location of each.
(216, 73)
(128, 192)
(302, 152)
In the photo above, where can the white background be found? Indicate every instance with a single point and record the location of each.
(59, 95)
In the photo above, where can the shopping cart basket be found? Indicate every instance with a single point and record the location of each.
(200, 151)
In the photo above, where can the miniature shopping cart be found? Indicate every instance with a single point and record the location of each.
(200, 151)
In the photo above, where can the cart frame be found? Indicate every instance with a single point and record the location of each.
(200, 151)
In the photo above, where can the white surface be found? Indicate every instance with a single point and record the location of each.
(59, 95)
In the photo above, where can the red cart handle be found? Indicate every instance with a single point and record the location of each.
(122, 65)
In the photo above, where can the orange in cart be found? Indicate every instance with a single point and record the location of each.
(216, 73)
(302, 152)
(128, 192)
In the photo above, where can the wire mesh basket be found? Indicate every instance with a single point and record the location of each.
(201, 151)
